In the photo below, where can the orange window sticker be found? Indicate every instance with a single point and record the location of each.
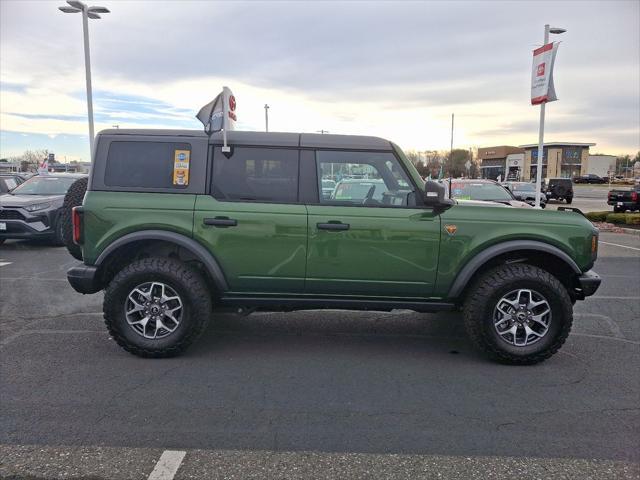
(181, 167)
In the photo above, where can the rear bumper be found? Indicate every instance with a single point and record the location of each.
(84, 279)
(588, 283)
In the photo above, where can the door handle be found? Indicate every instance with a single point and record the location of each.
(333, 226)
(220, 222)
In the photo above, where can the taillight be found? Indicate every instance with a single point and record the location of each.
(634, 196)
(76, 218)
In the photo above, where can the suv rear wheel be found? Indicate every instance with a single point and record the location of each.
(157, 307)
(518, 314)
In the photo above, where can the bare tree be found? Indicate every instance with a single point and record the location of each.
(30, 159)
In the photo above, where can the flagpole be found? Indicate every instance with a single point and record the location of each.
(451, 149)
(541, 137)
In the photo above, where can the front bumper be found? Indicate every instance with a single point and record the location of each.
(587, 284)
(84, 278)
(19, 223)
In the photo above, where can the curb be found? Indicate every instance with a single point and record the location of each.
(632, 231)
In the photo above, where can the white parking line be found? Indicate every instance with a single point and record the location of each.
(167, 465)
(2, 264)
(621, 246)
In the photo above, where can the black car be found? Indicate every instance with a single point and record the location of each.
(589, 178)
(32, 209)
(559, 189)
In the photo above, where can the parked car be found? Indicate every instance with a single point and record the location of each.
(252, 230)
(485, 190)
(526, 192)
(32, 209)
(589, 178)
(623, 200)
(559, 189)
(9, 181)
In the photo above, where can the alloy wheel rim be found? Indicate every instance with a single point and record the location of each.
(153, 310)
(522, 317)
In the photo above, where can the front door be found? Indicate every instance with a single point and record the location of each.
(252, 221)
(367, 237)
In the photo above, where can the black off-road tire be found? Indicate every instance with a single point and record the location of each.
(569, 200)
(487, 290)
(188, 284)
(73, 198)
(618, 210)
(2, 240)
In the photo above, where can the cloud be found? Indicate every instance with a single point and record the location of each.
(394, 69)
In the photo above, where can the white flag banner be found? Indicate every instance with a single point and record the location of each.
(43, 167)
(220, 113)
(542, 89)
(229, 104)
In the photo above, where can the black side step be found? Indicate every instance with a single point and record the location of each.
(305, 303)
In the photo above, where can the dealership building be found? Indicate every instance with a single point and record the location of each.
(559, 159)
(500, 161)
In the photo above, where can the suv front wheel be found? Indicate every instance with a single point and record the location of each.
(157, 307)
(518, 314)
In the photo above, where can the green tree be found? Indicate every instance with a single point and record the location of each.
(455, 164)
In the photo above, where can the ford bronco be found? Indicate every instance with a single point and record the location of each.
(173, 229)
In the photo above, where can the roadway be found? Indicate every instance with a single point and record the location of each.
(312, 394)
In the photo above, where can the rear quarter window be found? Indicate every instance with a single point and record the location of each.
(142, 164)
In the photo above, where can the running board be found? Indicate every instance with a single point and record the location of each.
(297, 303)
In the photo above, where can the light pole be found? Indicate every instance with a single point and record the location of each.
(266, 117)
(547, 31)
(76, 6)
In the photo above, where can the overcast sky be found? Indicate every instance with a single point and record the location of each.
(392, 69)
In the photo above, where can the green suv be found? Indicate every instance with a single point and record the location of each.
(173, 228)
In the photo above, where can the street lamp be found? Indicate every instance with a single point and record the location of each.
(266, 117)
(547, 31)
(76, 6)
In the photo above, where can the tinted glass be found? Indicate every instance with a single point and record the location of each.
(362, 178)
(256, 174)
(142, 164)
(10, 183)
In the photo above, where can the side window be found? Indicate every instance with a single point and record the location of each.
(143, 164)
(11, 183)
(256, 174)
(362, 178)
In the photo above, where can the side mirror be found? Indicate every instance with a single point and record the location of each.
(434, 195)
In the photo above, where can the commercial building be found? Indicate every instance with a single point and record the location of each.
(503, 161)
(559, 159)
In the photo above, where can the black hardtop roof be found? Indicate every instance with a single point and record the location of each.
(275, 139)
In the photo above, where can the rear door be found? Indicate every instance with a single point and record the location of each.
(366, 239)
(252, 221)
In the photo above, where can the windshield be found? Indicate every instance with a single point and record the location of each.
(479, 191)
(524, 187)
(43, 185)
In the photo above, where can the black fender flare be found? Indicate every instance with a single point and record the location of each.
(481, 258)
(200, 252)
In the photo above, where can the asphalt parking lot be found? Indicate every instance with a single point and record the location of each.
(589, 198)
(312, 394)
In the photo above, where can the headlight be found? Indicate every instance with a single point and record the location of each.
(37, 206)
